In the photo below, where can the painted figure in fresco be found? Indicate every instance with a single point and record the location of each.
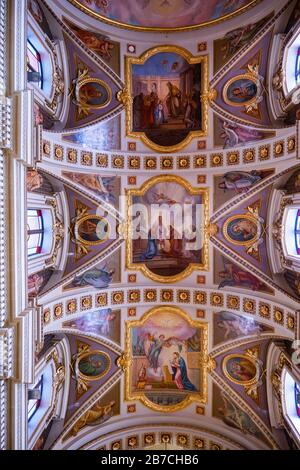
(155, 350)
(91, 94)
(36, 11)
(97, 43)
(180, 373)
(159, 116)
(164, 13)
(173, 100)
(235, 135)
(190, 117)
(234, 417)
(147, 104)
(103, 186)
(96, 415)
(241, 369)
(235, 326)
(35, 282)
(240, 181)
(160, 243)
(233, 276)
(242, 90)
(38, 115)
(138, 103)
(239, 37)
(241, 229)
(92, 365)
(98, 322)
(34, 180)
(96, 277)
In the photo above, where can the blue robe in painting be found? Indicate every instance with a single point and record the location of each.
(187, 384)
(151, 250)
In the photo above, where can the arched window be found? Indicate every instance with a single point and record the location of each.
(35, 231)
(34, 65)
(291, 402)
(297, 66)
(297, 232)
(35, 398)
(297, 399)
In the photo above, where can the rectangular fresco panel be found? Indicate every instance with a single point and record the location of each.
(103, 136)
(230, 135)
(106, 187)
(164, 248)
(226, 47)
(232, 183)
(166, 349)
(228, 274)
(100, 44)
(104, 322)
(229, 326)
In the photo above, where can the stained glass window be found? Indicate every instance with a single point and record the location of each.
(297, 398)
(34, 403)
(35, 231)
(34, 65)
(297, 232)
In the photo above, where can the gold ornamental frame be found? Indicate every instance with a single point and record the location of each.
(99, 376)
(204, 192)
(244, 76)
(246, 383)
(236, 242)
(128, 100)
(100, 82)
(205, 363)
(86, 242)
(156, 29)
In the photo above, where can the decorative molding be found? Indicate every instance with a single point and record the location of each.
(213, 159)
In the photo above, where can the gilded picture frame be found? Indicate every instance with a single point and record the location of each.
(242, 77)
(246, 358)
(204, 193)
(204, 362)
(236, 217)
(204, 98)
(89, 378)
(101, 83)
(85, 219)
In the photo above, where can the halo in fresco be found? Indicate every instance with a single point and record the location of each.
(163, 15)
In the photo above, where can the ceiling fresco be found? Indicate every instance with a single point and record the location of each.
(160, 15)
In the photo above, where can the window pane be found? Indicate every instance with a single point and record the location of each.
(297, 399)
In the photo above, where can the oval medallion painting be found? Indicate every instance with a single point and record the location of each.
(92, 230)
(241, 230)
(93, 365)
(240, 369)
(94, 94)
(168, 15)
(240, 91)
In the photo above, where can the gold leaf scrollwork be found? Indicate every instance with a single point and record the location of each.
(123, 97)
